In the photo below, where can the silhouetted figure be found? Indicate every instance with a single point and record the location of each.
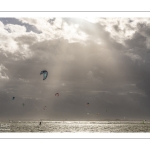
(57, 94)
(40, 123)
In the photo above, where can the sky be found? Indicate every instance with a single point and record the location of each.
(101, 61)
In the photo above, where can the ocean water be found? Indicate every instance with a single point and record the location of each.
(75, 126)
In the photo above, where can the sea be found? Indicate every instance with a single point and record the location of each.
(75, 126)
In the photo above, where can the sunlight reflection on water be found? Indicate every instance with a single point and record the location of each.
(75, 126)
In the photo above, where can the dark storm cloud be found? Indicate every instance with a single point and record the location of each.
(137, 41)
(143, 27)
(139, 44)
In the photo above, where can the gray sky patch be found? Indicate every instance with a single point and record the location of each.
(15, 21)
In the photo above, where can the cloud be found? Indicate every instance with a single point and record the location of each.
(69, 32)
(3, 75)
(134, 57)
(15, 28)
(102, 61)
(23, 80)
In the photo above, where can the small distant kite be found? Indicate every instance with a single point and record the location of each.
(88, 113)
(13, 98)
(44, 107)
(23, 104)
(88, 103)
(45, 74)
(57, 94)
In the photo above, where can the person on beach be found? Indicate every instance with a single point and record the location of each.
(40, 123)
